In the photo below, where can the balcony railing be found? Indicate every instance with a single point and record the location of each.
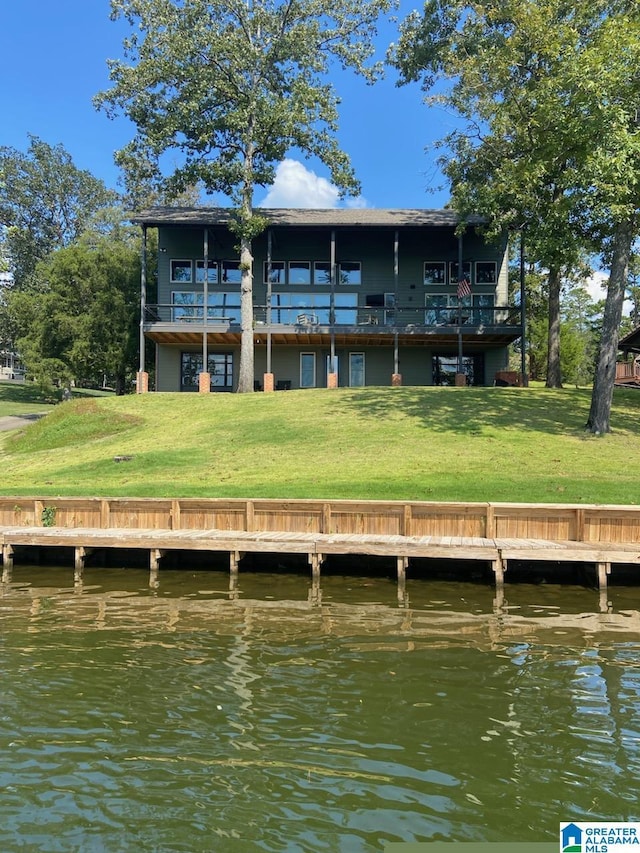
(305, 318)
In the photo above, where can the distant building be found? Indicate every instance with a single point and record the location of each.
(341, 297)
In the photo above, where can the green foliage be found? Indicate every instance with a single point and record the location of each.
(46, 202)
(226, 89)
(548, 95)
(231, 86)
(48, 516)
(81, 323)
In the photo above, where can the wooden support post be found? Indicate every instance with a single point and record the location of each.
(105, 514)
(326, 518)
(603, 569)
(175, 515)
(7, 557)
(81, 554)
(234, 559)
(402, 564)
(155, 555)
(250, 517)
(499, 567)
(490, 523)
(315, 560)
(407, 519)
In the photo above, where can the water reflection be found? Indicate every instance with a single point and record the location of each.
(206, 600)
(280, 715)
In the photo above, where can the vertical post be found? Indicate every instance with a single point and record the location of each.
(268, 317)
(460, 256)
(316, 561)
(7, 558)
(523, 313)
(499, 567)
(402, 564)
(332, 377)
(80, 556)
(604, 569)
(396, 379)
(142, 384)
(204, 382)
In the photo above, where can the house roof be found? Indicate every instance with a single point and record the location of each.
(305, 218)
(630, 342)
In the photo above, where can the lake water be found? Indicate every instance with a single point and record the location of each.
(276, 717)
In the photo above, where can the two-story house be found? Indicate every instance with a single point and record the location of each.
(340, 297)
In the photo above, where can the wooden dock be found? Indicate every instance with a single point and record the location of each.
(491, 533)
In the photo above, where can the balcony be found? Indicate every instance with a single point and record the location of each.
(364, 324)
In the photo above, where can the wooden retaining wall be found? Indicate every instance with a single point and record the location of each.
(550, 522)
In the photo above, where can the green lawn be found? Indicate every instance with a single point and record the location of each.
(19, 399)
(473, 444)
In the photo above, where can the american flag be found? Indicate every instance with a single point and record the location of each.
(464, 288)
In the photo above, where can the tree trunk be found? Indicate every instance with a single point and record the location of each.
(602, 394)
(554, 373)
(245, 380)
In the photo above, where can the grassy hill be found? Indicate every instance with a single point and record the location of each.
(390, 443)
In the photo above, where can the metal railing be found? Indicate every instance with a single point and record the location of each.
(306, 317)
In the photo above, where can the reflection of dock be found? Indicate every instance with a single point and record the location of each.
(380, 626)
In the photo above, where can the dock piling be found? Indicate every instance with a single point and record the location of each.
(603, 570)
(499, 567)
(7, 557)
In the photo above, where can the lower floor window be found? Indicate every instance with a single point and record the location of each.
(219, 366)
(307, 370)
(445, 367)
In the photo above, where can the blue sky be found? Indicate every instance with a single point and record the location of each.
(54, 56)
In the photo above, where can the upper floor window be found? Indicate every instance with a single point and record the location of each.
(274, 272)
(486, 272)
(454, 276)
(299, 272)
(181, 272)
(322, 272)
(212, 276)
(231, 272)
(310, 272)
(349, 272)
(435, 272)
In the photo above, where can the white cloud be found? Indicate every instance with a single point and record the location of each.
(297, 186)
(596, 285)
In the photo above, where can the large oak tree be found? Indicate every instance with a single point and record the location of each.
(548, 94)
(220, 90)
